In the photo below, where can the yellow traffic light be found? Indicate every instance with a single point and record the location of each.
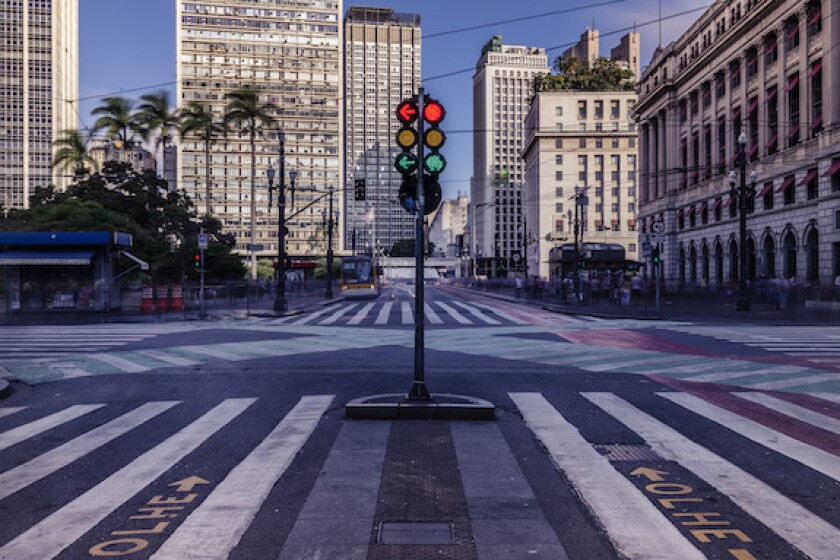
(435, 138)
(407, 138)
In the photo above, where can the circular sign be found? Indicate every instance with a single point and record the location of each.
(658, 227)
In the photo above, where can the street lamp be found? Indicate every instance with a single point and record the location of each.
(280, 303)
(329, 221)
(743, 301)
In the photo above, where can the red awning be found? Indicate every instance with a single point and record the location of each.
(690, 210)
(631, 223)
(614, 222)
(702, 206)
(772, 140)
(788, 182)
(817, 122)
(736, 112)
(752, 107)
(680, 213)
(792, 82)
(771, 93)
(598, 223)
(729, 202)
(815, 67)
(815, 16)
(715, 204)
(753, 150)
(835, 167)
(792, 132)
(811, 174)
(768, 186)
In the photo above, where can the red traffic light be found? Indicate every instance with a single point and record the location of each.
(407, 111)
(433, 112)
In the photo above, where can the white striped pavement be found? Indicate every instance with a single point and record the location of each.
(503, 314)
(627, 516)
(23, 475)
(802, 529)
(384, 313)
(452, 312)
(10, 410)
(217, 525)
(817, 459)
(361, 314)
(59, 530)
(430, 315)
(794, 411)
(407, 315)
(475, 312)
(168, 358)
(32, 429)
(338, 314)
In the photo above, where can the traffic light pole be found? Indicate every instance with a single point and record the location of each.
(419, 391)
(202, 312)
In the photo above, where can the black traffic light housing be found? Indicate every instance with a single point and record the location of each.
(655, 254)
(359, 189)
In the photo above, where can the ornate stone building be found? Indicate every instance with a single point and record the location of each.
(768, 70)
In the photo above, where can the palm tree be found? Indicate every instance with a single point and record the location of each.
(155, 115)
(246, 112)
(117, 121)
(71, 152)
(196, 119)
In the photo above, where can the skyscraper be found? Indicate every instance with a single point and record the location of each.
(39, 84)
(501, 95)
(382, 65)
(290, 51)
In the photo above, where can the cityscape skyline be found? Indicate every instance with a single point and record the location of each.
(450, 50)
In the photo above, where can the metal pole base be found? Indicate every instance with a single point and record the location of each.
(280, 304)
(328, 294)
(202, 314)
(419, 392)
(742, 305)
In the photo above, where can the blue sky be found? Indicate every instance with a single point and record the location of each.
(127, 48)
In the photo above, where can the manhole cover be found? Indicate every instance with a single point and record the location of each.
(415, 533)
(626, 452)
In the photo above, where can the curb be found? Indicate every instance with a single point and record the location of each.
(5, 388)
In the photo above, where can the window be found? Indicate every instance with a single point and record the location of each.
(615, 142)
(582, 142)
(720, 85)
(812, 184)
(599, 142)
(735, 74)
(558, 159)
(792, 88)
(558, 207)
(788, 190)
(791, 28)
(813, 13)
(772, 102)
(581, 109)
(615, 109)
(599, 109)
(558, 111)
(558, 191)
(815, 74)
(558, 127)
(771, 53)
(558, 175)
(558, 143)
(752, 62)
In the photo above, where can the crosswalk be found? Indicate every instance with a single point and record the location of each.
(454, 312)
(666, 464)
(46, 342)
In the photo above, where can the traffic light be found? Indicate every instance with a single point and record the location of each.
(359, 186)
(197, 260)
(655, 254)
(433, 138)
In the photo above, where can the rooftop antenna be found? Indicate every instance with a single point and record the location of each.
(660, 23)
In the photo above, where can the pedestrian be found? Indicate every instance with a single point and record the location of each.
(626, 292)
(518, 287)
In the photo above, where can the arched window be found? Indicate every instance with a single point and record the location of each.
(682, 265)
(692, 265)
(718, 264)
(750, 259)
(733, 261)
(812, 256)
(769, 251)
(790, 255)
(704, 266)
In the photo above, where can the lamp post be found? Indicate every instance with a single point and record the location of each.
(743, 301)
(280, 303)
(329, 220)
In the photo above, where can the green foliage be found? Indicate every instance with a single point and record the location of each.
(155, 115)
(265, 268)
(403, 248)
(72, 153)
(321, 269)
(575, 75)
(117, 120)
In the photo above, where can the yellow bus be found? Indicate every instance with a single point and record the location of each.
(359, 277)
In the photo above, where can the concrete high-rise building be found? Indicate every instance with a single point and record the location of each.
(447, 227)
(39, 85)
(291, 51)
(587, 48)
(502, 90)
(382, 67)
(767, 71)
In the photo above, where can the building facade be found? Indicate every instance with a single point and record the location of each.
(39, 87)
(290, 50)
(766, 70)
(102, 150)
(448, 226)
(585, 141)
(502, 89)
(382, 66)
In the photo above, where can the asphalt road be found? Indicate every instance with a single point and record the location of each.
(612, 438)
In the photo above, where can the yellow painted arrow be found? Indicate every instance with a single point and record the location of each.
(652, 474)
(187, 484)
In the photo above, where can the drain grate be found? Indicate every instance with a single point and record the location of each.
(415, 533)
(626, 452)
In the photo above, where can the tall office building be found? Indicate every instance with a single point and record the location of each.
(382, 65)
(501, 95)
(39, 83)
(289, 50)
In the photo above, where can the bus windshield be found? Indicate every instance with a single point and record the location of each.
(357, 271)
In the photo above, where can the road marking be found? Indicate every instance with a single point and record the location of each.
(454, 313)
(794, 411)
(337, 315)
(504, 315)
(217, 525)
(384, 313)
(61, 529)
(797, 381)
(168, 358)
(833, 397)
(477, 313)
(119, 363)
(801, 528)
(21, 433)
(730, 375)
(361, 314)
(407, 317)
(433, 317)
(311, 317)
(214, 352)
(808, 455)
(23, 475)
(10, 410)
(627, 516)
(624, 364)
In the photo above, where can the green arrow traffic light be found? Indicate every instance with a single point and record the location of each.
(434, 163)
(406, 163)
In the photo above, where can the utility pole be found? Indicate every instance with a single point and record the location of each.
(329, 292)
(280, 303)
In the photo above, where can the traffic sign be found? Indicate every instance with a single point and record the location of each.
(202, 241)
(407, 111)
(658, 227)
(255, 247)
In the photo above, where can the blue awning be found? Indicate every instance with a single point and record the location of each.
(52, 258)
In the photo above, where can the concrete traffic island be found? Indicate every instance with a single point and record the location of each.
(399, 406)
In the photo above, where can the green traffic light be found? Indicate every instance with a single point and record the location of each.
(406, 163)
(434, 163)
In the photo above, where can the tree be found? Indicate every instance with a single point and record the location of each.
(403, 248)
(117, 120)
(196, 119)
(72, 153)
(252, 117)
(155, 115)
(576, 75)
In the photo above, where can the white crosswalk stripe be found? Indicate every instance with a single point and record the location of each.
(361, 314)
(454, 313)
(407, 316)
(794, 411)
(22, 433)
(475, 312)
(9, 410)
(61, 340)
(384, 313)
(431, 316)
